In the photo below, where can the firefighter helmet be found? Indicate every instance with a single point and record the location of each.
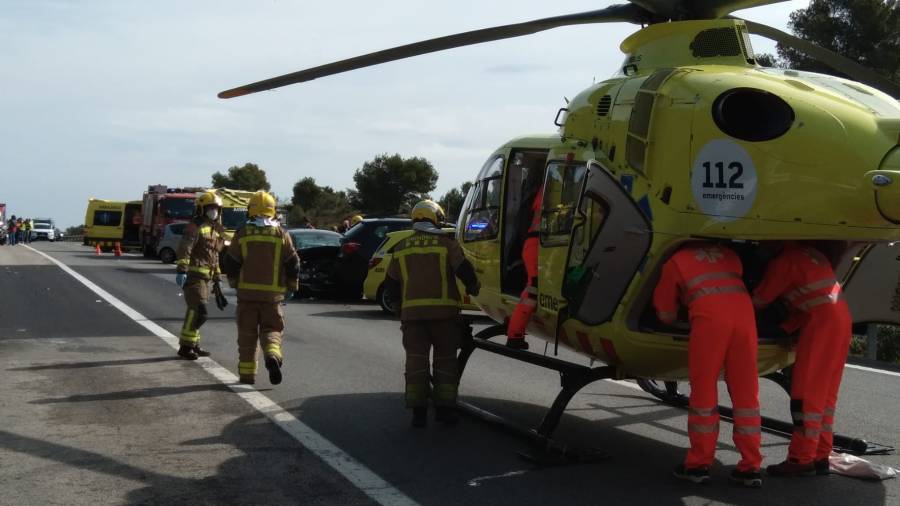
(356, 219)
(208, 198)
(428, 210)
(262, 204)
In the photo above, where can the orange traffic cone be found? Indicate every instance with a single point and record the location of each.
(97, 249)
(118, 250)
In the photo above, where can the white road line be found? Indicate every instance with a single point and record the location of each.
(870, 369)
(359, 475)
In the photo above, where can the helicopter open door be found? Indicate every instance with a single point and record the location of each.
(870, 275)
(609, 241)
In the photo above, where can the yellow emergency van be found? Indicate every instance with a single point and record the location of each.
(107, 222)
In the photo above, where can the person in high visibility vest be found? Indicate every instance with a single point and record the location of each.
(422, 276)
(528, 300)
(804, 278)
(196, 266)
(707, 279)
(262, 264)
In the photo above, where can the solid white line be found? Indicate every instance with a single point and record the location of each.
(359, 475)
(870, 369)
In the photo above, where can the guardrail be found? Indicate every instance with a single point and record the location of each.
(71, 238)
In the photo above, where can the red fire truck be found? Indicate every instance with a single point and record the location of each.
(163, 205)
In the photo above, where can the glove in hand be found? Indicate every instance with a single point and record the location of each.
(180, 278)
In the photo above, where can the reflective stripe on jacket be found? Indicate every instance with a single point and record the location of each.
(694, 272)
(198, 251)
(262, 252)
(425, 265)
(800, 275)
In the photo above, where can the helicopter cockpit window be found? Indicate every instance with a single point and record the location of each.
(562, 187)
(482, 216)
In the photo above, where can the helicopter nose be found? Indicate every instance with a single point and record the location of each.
(886, 185)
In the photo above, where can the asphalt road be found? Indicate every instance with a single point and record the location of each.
(97, 410)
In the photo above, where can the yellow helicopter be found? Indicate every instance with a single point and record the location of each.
(690, 138)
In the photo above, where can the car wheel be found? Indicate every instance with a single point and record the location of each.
(167, 256)
(387, 304)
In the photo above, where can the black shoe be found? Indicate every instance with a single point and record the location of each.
(187, 352)
(446, 415)
(420, 417)
(247, 380)
(790, 468)
(517, 343)
(749, 479)
(823, 467)
(692, 474)
(200, 351)
(274, 367)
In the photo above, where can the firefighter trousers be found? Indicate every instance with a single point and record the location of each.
(196, 295)
(723, 335)
(529, 299)
(419, 336)
(815, 380)
(259, 324)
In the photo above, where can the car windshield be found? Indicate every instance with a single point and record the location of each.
(234, 217)
(41, 224)
(314, 239)
(179, 208)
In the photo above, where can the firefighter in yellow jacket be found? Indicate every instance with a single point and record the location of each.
(197, 266)
(421, 275)
(262, 264)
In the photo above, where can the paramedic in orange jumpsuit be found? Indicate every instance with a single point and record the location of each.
(515, 331)
(707, 279)
(804, 278)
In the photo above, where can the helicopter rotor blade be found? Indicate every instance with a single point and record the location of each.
(615, 13)
(715, 9)
(678, 10)
(835, 61)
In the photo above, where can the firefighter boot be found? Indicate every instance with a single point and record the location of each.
(274, 367)
(446, 415)
(187, 352)
(420, 417)
(201, 352)
(247, 380)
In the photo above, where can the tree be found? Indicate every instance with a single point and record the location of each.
(452, 201)
(391, 184)
(318, 204)
(865, 31)
(767, 60)
(249, 178)
(306, 193)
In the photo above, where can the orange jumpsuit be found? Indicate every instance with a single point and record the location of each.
(529, 298)
(804, 278)
(707, 279)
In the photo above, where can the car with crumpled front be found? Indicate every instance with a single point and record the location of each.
(318, 250)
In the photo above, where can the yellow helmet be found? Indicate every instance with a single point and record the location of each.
(356, 219)
(262, 204)
(428, 210)
(208, 198)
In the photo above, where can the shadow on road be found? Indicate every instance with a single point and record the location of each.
(468, 464)
(475, 463)
(100, 363)
(139, 393)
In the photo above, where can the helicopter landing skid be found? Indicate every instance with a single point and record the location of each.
(842, 444)
(545, 451)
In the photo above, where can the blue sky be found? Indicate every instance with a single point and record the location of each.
(101, 99)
